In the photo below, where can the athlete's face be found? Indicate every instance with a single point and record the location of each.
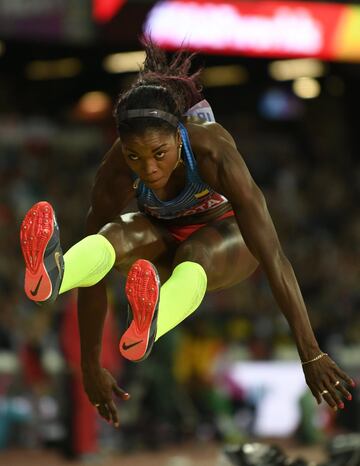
(152, 155)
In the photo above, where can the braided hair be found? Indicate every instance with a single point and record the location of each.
(161, 84)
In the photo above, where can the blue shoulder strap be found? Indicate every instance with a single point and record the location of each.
(191, 162)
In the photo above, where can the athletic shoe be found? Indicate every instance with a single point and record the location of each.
(142, 291)
(40, 244)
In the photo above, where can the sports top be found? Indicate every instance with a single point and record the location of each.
(197, 196)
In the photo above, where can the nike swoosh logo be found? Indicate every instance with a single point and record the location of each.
(126, 347)
(35, 291)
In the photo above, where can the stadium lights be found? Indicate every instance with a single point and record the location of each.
(232, 75)
(287, 70)
(53, 69)
(94, 102)
(124, 62)
(306, 88)
(92, 106)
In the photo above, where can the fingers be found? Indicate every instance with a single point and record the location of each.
(333, 392)
(340, 388)
(330, 395)
(114, 416)
(116, 389)
(101, 398)
(316, 394)
(120, 392)
(108, 409)
(345, 377)
(329, 383)
(109, 412)
(103, 411)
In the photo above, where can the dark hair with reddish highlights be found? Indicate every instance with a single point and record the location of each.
(162, 84)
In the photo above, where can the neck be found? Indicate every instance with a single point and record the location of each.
(174, 186)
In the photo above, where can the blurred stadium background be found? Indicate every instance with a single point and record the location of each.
(283, 78)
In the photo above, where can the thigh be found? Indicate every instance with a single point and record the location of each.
(135, 236)
(220, 248)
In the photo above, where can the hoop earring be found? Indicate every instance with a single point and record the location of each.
(179, 160)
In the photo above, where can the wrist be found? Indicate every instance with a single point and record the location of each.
(306, 342)
(314, 359)
(308, 351)
(90, 355)
(90, 366)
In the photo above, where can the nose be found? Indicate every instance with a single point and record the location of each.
(149, 168)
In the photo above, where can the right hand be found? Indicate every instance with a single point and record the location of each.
(327, 382)
(100, 386)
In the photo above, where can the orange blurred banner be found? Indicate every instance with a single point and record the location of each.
(258, 28)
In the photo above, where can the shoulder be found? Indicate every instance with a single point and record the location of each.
(212, 146)
(207, 137)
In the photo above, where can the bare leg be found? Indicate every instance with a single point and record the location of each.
(220, 249)
(212, 258)
(134, 236)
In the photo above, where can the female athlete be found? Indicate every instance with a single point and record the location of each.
(202, 225)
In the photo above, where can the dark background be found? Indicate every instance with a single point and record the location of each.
(305, 158)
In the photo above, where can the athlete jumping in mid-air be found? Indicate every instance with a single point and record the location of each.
(202, 222)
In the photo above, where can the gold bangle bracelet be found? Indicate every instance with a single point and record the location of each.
(319, 356)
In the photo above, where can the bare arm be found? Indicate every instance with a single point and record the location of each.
(235, 182)
(111, 180)
(225, 170)
(92, 308)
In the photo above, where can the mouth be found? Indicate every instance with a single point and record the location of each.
(152, 181)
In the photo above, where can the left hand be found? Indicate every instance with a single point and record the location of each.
(100, 386)
(327, 381)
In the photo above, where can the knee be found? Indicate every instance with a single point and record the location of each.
(114, 233)
(193, 251)
(111, 231)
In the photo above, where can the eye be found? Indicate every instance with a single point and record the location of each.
(133, 157)
(160, 155)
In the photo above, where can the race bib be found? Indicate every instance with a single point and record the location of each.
(201, 110)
